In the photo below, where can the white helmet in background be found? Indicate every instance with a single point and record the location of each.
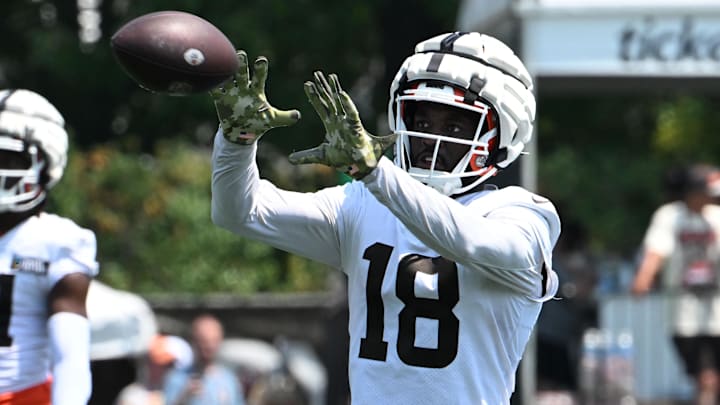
(474, 72)
(29, 124)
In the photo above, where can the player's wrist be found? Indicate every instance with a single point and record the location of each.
(241, 137)
(358, 172)
(373, 173)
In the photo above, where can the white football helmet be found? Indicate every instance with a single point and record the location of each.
(475, 72)
(29, 124)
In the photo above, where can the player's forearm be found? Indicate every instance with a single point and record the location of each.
(235, 178)
(300, 223)
(647, 271)
(70, 345)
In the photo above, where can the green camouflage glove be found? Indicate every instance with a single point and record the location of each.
(348, 146)
(244, 112)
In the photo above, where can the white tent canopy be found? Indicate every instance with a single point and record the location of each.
(482, 15)
(259, 357)
(609, 38)
(121, 323)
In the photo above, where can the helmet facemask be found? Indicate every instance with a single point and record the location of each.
(421, 153)
(21, 174)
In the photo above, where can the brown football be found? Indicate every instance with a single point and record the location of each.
(174, 52)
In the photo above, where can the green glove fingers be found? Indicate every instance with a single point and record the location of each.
(260, 68)
(243, 73)
(348, 146)
(318, 104)
(326, 155)
(242, 107)
(379, 143)
(314, 155)
(384, 142)
(285, 118)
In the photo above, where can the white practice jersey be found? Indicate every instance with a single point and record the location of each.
(33, 257)
(443, 294)
(690, 243)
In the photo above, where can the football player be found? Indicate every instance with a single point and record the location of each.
(446, 274)
(46, 263)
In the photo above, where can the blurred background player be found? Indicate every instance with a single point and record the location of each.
(446, 275)
(683, 243)
(46, 263)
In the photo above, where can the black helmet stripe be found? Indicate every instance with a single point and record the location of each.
(438, 55)
(446, 45)
(434, 65)
(4, 101)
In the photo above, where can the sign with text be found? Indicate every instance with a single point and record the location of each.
(606, 45)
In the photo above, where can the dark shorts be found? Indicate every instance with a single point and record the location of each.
(698, 352)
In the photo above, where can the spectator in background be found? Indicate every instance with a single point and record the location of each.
(207, 382)
(164, 353)
(683, 239)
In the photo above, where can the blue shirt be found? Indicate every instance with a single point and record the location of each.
(220, 386)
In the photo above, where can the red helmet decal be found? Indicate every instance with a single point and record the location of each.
(481, 155)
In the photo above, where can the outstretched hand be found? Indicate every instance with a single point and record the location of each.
(348, 146)
(242, 107)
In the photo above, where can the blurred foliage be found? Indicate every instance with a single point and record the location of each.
(139, 169)
(604, 158)
(151, 215)
(687, 129)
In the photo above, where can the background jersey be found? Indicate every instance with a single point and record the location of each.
(689, 242)
(33, 257)
(443, 293)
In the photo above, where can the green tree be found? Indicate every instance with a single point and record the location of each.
(151, 215)
(604, 158)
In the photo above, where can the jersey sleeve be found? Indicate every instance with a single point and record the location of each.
(660, 236)
(75, 252)
(301, 223)
(509, 241)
